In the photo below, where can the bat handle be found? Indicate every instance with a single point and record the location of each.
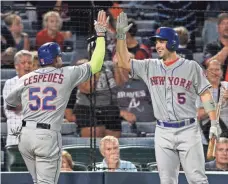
(211, 148)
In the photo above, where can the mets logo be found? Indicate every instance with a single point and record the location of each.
(158, 31)
(42, 60)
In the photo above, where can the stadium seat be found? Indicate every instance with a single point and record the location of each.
(3, 116)
(198, 57)
(128, 134)
(139, 141)
(138, 166)
(68, 57)
(3, 134)
(146, 24)
(139, 154)
(147, 127)
(79, 166)
(2, 84)
(7, 73)
(69, 140)
(2, 160)
(14, 160)
(69, 129)
(152, 166)
(126, 127)
(83, 154)
(3, 129)
(80, 141)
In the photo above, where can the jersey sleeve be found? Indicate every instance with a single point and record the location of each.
(139, 68)
(201, 83)
(13, 99)
(79, 74)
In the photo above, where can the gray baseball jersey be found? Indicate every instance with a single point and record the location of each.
(44, 94)
(173, 90)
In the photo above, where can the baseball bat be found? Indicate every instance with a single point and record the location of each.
(211, 148)
(212, 143)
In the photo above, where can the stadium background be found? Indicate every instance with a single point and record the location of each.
(134, 146)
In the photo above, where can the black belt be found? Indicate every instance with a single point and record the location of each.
(38, 125)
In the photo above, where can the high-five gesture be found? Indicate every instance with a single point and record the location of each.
(101, 23)
(122, 26)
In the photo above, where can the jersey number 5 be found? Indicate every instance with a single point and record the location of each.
(50, 93)
(181, 98)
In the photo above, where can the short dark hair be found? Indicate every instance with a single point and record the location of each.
(221, 17)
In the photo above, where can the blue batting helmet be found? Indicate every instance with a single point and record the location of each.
(48, 52)
(167, 33)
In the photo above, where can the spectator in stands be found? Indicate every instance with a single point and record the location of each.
(219, 92)
(35, 61)
(42, 8)
(52, 24)
(23, 65)
(67, 162)
(221, 155)
(219, 49)
(107, 113)
(210, 31)
(15, 26)
(134, 101)
(12, 39)
(109, 149)
(140, 51)
(183, 39)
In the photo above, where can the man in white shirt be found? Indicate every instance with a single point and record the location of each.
(23, 65)
(109, 148)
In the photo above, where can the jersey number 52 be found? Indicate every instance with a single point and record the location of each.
(42, 103)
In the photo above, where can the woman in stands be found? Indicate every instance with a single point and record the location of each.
(15, 26)
(52, 24)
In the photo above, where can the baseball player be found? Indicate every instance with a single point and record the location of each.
(174, 83)
(44, 94)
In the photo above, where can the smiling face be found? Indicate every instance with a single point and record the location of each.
(214, 72)
(160, 46)
(24, 66)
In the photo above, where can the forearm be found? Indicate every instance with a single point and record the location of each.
(209, 105)
(121, 75)
(220, 56)
(201, 114)
(69, 115)
(97, 59)
(124, 57)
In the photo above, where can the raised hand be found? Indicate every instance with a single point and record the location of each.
(215, 130)
(122, 26)
(101, 24)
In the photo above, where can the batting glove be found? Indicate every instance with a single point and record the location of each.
(122, 26)
(215, 129)
(100, 27)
